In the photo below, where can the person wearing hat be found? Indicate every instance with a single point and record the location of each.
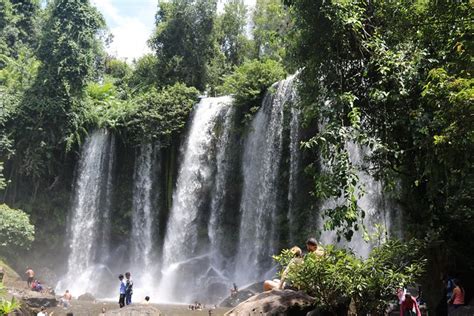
(280, 284)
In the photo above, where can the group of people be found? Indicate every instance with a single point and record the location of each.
(126, 289)
(32, 283)
(311, 247)
(196, 306)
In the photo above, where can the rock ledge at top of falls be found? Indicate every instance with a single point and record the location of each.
(275, 302)
(135, 310)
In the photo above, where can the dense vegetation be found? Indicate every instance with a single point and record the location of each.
(340, 276)
(395, 76)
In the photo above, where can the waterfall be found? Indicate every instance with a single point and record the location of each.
(376, 207)
(143, 223)
(294, 171)
(217, 227)
(261, 168)
(237, 201)
(186, 245)
(90, 215)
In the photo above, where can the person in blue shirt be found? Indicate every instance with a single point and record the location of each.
(122, 290)
(128, 288)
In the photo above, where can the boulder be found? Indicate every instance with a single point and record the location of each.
(275, 302)
(242, 295)
(37, 299)
(86, 297)
(135, 310)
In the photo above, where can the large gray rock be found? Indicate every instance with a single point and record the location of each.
(242, 295)
(135, 310)
(86, 297)
(275, 302)
(36, 299)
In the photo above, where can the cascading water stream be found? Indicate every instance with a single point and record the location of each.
(143, 223)
(294, 169)
(90, 214)
(184, 250)
(261, 168)
(230, 202)
(376, 208)
(216, 228)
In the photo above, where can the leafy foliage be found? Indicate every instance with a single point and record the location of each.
(251, 80)
(183, 41)
(370, 283)
(49, 117)
(406, 67)
(158, 115)
(271, 22)
(15, 229)
(6, 306)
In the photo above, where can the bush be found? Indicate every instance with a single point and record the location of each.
(15, 229)
(158, 114)
(6, 306)
(370, 283)
(251, 80)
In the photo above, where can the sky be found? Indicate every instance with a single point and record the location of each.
(132, 22)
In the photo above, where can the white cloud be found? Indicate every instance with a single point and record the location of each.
(130, 32)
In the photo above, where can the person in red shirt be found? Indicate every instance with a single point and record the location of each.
(409, 306)
(457, 299)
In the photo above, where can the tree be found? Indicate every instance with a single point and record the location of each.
(183, 41)
(49, 118)
(395, 76)
(231, 28)
(16, 232)
(69, 45)
(250, 81)
(27, 13)
(271, 23)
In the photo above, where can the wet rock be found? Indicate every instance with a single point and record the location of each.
(37, 299)
(242, 295)
(86, 297)
(135, 310)
(275, 302)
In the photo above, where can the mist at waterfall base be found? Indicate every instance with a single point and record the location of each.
(232, 194)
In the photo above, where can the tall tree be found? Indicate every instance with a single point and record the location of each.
(51, 114)
(183, 41)
(271, 23)
(231, 32)
(27, 13)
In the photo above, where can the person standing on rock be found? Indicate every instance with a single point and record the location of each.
(30, 274)
(128, 288)
(122, 291)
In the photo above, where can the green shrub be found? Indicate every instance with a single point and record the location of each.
(15, 229)
(157, 115)
(6, 306)
(370, 283)
(251, 80)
